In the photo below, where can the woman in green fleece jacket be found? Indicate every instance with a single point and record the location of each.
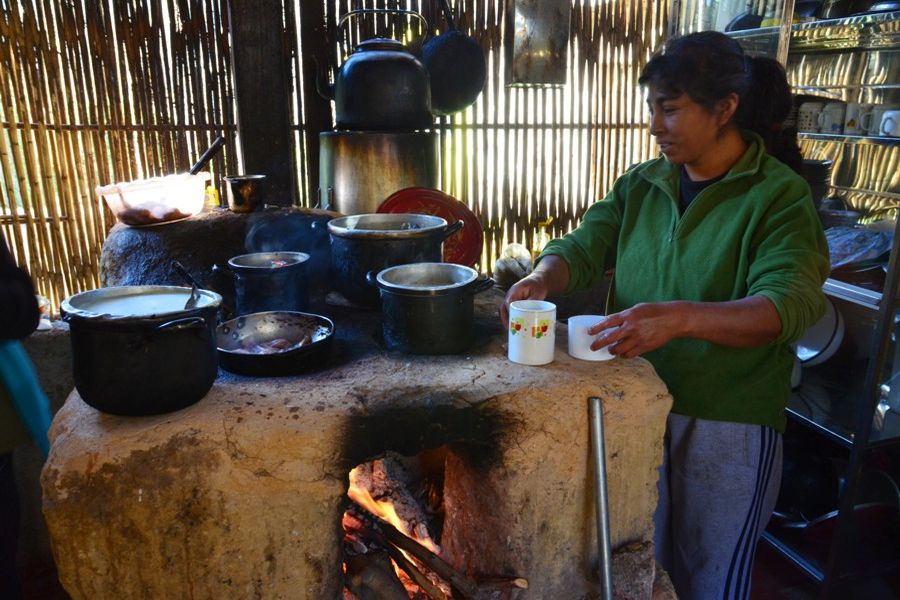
(719, 261)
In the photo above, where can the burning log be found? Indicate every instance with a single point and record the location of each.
(371, 577)
(428, 588)
(464, 587)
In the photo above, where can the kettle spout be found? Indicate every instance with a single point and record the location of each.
(325, 89)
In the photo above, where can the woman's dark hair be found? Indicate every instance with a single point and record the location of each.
(708, 66)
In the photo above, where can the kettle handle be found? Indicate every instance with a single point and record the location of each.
(395, 11)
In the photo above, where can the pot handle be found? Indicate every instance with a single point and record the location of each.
(182, 324)
(481, 285)
(391, 11)
(372, 278)
(451, 229)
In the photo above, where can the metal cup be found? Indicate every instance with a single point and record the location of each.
(245, 193)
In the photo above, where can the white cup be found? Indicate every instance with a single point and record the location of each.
(831, 119)
(808, 116)
(580, 340)
(853, 117)
(890, 123)
(873, 122)
(532, 332)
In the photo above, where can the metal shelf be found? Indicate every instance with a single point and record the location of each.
(864, 32)
(852, 293)
(841, 138)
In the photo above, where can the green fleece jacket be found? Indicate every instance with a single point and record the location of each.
(755, 232)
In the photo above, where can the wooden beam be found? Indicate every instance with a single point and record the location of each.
(262, 93)
(316, 109)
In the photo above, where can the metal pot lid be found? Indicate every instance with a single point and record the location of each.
(426, 278)
(264, 261)
(381, 226)
(141, 301)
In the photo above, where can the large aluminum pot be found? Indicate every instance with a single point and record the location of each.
(364, 243)
(428, 308)
(358, 170)
(137, 351)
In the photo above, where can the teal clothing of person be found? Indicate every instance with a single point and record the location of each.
(754, 232)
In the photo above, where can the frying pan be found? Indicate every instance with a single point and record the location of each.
(455, 64)
(263, 327)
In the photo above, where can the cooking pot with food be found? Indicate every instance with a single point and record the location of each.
(136, 350)
(265, 281)
(274, 343)
(372, 242)
(428, 308)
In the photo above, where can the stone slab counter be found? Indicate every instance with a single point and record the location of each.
(241, 495)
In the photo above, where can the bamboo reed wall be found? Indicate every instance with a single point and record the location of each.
(97, 91)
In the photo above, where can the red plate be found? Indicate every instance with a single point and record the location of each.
(463, 247)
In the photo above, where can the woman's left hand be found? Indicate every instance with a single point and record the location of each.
(639, 329)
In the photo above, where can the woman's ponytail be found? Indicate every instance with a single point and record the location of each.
(765, 105)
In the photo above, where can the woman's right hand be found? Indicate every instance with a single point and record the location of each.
(532, 287)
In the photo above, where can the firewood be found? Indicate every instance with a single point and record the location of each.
(372, 577)
(428, 587)
(463, 587)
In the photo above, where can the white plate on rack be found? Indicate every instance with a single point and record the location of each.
(822, 340)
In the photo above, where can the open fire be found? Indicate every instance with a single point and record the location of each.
(390, 548)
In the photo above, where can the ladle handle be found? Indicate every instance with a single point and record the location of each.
(207, 156)
(448, 14)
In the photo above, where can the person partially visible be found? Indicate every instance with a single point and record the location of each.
(24, 409)
(719, 263)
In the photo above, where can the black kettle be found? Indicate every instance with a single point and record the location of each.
(382, 86)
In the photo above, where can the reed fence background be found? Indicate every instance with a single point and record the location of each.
(97, 91)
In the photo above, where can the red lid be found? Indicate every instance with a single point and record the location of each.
(463, 247)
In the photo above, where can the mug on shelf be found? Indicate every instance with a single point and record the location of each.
(532, 332)
(890, 124)
(808, 116)
(831, 119)
(873, 122)
(856, 113)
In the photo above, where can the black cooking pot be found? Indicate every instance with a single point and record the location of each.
(137, 351)
(428, 308)
(363, 243)
(382, 86)
(265, 281)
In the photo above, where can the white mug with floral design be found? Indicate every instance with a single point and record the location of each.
(532, 332)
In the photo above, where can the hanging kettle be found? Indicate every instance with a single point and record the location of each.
(382, 86)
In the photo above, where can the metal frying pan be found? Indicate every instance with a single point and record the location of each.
(455, 64)
(235, 337)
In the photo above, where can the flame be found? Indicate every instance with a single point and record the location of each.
(384, 509)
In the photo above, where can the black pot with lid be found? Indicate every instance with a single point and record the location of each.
(382, 86)
(136, 350)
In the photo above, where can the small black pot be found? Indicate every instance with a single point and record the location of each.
(267, 281)
(428, 308)
(137, 351)
(364, 243)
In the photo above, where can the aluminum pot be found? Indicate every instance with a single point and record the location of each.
(137, 351)
(363, 243)
(428, 308)
(348, 160)
(265, 281)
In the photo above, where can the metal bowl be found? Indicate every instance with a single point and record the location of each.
(233, 336)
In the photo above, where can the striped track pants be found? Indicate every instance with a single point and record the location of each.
(717, 489)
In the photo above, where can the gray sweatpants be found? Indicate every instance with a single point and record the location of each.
(717, 489)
